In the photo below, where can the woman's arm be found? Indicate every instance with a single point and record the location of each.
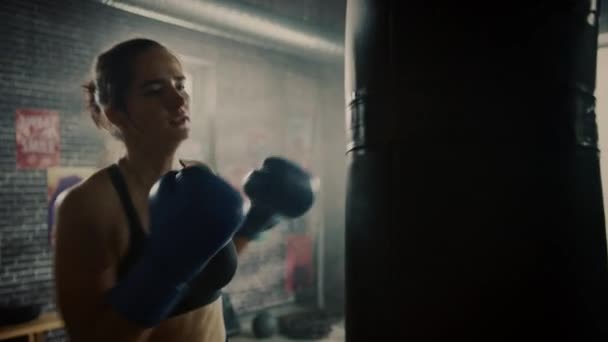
(86, 257)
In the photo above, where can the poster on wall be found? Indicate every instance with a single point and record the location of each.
(260, 279)
(299, 263)
(60, 179)
(37, 138)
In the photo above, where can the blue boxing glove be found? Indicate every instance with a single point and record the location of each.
(193, 214)
(279, 189)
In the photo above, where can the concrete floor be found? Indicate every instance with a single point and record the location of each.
(337, 333)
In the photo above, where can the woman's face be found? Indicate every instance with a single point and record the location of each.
(156, 101)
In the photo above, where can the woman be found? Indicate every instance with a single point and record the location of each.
(103, 224)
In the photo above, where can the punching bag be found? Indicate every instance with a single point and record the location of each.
(474, 205)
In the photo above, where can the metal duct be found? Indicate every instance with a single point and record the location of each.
(237, 22)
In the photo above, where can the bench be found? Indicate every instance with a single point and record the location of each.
(34, 330)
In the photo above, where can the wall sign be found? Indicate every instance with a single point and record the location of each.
(37, 138)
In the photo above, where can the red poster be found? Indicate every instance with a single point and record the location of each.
(299, 266)
(37, 134)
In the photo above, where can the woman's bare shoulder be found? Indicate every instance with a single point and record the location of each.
(92, 201)
(87, 237)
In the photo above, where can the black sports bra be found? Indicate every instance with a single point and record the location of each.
(206, 287)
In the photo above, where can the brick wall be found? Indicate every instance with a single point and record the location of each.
(47, 50)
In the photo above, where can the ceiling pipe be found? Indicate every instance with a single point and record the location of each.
(238, 22)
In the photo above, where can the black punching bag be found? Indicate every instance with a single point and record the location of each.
(474, 208)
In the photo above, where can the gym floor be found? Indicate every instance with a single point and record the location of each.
(337, 333)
